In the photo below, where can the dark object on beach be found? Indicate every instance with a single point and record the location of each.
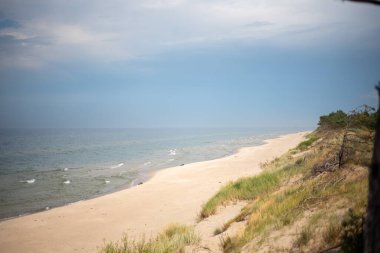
(372, 225)
(140, 183)
(182, 164)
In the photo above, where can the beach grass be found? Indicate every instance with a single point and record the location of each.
(312, 137)
(256, 187)
(288, 192)
(242, 189)
(304, 237)
(174, 238)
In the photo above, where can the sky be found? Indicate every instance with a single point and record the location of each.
(184, 63)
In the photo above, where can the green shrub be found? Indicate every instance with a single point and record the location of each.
(336, 119)
(358, 119)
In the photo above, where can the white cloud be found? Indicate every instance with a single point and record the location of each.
(15, 34)
(161, 4)
(70, 34)
(121, 30)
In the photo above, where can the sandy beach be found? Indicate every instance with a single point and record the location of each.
(171, 195)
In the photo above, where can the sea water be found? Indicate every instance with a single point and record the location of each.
(45, 168)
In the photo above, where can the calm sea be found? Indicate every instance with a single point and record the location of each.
(44, 168)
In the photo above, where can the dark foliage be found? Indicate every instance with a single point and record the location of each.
(334, 120)
(364, 116)
(352, 233)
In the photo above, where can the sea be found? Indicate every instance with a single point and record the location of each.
(45, 168)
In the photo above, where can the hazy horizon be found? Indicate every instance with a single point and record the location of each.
(301, 128)
(184, 64)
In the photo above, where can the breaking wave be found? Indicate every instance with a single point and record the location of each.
(117, 166)
(29, 181)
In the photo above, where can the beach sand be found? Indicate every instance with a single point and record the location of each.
(171, 195)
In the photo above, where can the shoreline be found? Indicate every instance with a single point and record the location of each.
(168, 195)
(141, 179)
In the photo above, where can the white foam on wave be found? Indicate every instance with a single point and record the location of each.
(67, 182)
(147, 163)
(172, 152)
(170, 160)
(28, 181)
(107, 181)
(65, 169)
(117, 166)
(31, 181)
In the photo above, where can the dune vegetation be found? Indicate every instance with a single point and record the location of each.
(175, 238)
(311, 199)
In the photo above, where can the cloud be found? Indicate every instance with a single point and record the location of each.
(258, 24)
(187, 41)
(8, 23)
(54, 31)
(15, 34)
(161, 4)
(71, 34)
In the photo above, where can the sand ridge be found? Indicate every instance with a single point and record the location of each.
(172, 195)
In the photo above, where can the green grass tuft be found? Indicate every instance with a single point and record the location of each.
(305, 144)
(243, 189)
(173, 239)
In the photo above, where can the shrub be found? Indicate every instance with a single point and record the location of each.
(336, 119)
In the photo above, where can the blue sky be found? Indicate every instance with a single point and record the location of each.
(185, 63)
